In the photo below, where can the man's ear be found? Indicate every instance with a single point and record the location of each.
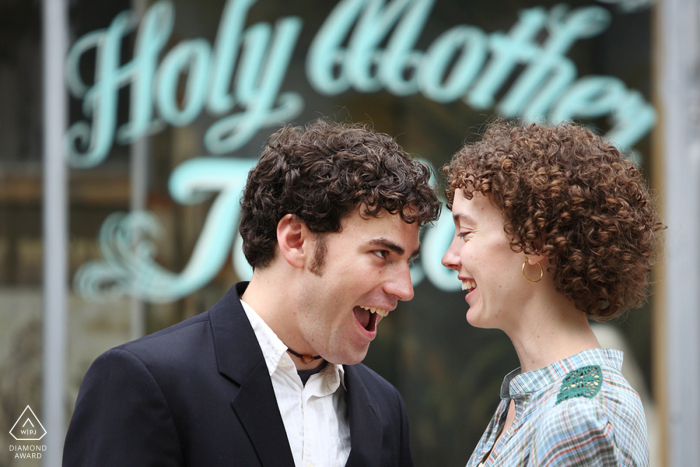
(291, 237)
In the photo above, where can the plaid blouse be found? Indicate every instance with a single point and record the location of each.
(607, 428)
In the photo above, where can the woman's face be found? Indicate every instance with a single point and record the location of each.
(489, 270)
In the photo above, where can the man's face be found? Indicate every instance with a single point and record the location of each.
(365, 266)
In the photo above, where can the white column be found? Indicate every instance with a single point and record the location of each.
(680, 97)
(138, 175)
(55, 230)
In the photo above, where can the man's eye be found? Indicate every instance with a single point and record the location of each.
(381, 253)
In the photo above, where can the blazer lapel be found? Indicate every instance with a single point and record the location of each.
(240, 359)
(365, 423)
(257, 410)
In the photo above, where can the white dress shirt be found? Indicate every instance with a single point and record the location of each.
(315, 416)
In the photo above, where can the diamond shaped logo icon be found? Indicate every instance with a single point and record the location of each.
(28, 427)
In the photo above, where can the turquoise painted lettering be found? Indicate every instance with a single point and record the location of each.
(464, 56)
(595, 96)
(126, 240)
(362, 59)
(331, 69)
(208, 75)
(87, 145)
(550, 73)
(399, 68)
(153, 34)
(191, 58)
(507, 51)
(240, 80)
(100, 99)
(233, 131)
(326, 56)
(443, 85)
(633, 117)
(228, 39)
(590, 97)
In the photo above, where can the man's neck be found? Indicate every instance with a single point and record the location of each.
(271, 294)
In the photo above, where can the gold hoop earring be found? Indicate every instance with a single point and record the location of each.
(541, 273)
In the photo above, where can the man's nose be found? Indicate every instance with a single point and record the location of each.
(401, 285)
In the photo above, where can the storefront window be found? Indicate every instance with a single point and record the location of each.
(197, 87)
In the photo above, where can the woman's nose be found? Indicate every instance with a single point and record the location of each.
(451, 257)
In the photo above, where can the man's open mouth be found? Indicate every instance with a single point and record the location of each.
(367, 316)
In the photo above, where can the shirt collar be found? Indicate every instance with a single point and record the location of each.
(333, 376)
(516, 382)
(274, 350)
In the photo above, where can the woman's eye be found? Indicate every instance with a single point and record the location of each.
(463, 235)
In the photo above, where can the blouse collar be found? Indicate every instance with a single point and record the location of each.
(517, 383)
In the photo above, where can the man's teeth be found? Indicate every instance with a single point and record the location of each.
(468, 284)
(382, 313)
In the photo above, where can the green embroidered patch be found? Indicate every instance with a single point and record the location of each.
(585, 382)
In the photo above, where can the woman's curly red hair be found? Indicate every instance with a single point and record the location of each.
(568, 194)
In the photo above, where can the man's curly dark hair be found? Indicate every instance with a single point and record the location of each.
(323, 172)
(568, 194)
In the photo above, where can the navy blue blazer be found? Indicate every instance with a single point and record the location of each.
(199, 393)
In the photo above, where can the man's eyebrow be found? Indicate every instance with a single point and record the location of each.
(390, 245)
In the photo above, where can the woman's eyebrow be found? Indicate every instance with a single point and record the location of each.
(463, 219)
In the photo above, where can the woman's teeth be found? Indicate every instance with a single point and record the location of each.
(382, 313)
(468, 285)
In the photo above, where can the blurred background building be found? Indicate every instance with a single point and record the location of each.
(127, 129)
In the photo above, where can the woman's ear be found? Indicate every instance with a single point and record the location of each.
(538, 256)
(291, 236)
